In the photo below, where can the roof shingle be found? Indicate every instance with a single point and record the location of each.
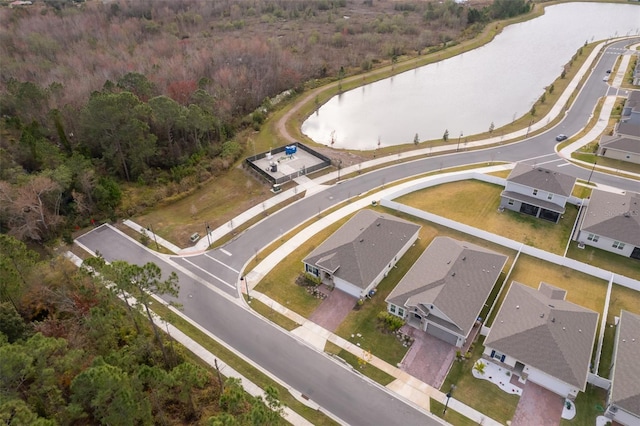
(546, 333)
(543, 179)
(625, 384)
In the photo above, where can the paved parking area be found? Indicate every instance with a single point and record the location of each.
(538, 406)
(428, 358)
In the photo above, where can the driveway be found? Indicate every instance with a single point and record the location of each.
(538, 406)
(334, 309)
(428, 358)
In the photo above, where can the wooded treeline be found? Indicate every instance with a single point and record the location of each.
(71, 353)
(98, 95)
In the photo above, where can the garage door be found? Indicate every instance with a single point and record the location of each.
(442, 334)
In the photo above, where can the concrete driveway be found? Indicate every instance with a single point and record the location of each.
(538, 406)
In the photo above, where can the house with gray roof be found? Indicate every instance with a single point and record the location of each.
(631, 108)
(611, 222)
(536, 191)
(544, 338)
(624, 143)
(446, 288)
(361, 253)
(624, 394)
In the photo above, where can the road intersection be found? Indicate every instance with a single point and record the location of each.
(209, 281)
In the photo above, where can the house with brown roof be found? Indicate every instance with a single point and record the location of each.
(544, 338)
(361, 253)
(537, 192)
(623, 144)
(611, 222)
(624, 394)
(446, 288)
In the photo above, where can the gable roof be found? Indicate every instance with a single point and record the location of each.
(621, 143)
(360, 250)
(454, 276)
(543, 179)
(542, 330)
(625, 383)
(615, 216)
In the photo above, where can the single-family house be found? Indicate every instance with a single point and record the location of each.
(537, 192)
(631, 108)
(446, 288)
(611, 222)
(361, 253)
(624, 394)
(544, 338)
(624, 144)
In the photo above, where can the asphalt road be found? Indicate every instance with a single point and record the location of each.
(345, 394)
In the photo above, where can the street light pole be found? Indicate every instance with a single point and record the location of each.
(448, 397)
(246, 283)
(595, 162)
(458, 147)
(208, 230)
(339, 167)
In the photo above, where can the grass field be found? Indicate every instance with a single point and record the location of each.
(451, 416)
(476, 203)
(366, 369)
(589, 405)
(606, 260)
(480, 394)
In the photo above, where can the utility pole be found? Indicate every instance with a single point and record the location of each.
(595, 162)
(458, 147)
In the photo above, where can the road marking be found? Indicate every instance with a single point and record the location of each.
(209, 273)
(551, 161)
(540, 156)
(225, 265)
(563, 164)
(225, 252)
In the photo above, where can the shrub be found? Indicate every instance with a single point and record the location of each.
(390, 322)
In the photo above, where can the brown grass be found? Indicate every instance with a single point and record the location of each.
(476, 203)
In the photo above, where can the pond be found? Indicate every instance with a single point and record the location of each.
(495, 83)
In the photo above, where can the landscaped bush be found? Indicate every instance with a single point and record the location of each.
(390, 322)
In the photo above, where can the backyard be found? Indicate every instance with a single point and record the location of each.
(606, 260)
(476, 203)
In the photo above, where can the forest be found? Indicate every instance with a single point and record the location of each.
(73, 354)
(101, 97)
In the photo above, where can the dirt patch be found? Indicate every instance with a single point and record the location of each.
(538, 406)
(334, 309)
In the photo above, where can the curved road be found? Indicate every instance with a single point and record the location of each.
(208, 281)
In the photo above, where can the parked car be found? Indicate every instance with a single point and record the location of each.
(608, 71)
(561, 137)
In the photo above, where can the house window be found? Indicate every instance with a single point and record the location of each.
(550, 196)
(593, 237)
(535, 192)
(618, 245)
(392, 309)
(401, 312)
(497, 355)
(510, 202)
(310, 269)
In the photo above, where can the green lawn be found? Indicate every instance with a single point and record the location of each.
(622, 298)
(589, 405)
(276, 317)
(480, 394)
(366, 369)
(451, 416)
(476, 203)
(606, 260)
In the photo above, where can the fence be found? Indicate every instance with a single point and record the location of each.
(250, 162)
(505, 242)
